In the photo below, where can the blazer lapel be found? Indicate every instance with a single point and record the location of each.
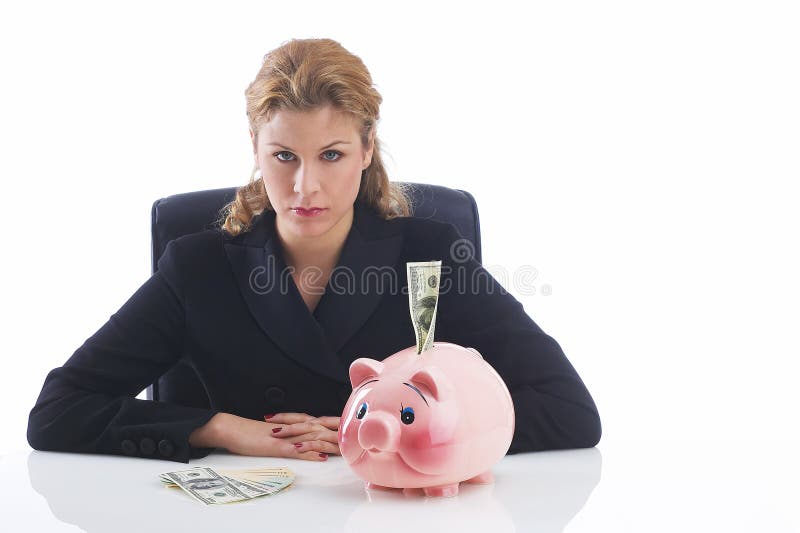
(275, 302)
(365, 271)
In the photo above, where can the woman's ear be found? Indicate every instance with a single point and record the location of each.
(254, 140)
(368, 153)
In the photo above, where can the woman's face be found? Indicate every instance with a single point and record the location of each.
(309, 160)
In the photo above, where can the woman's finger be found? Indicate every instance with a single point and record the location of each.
(330, 422)
(324, 434)
(288, 449)
(287, 418)
(299, 428)
(318, 446)
(310, 455)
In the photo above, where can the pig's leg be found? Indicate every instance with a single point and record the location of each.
(371, 485)
(442, 490)
(482, 479)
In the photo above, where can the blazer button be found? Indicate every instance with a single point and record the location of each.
(147, 446)
(165, 448)
(129, 447)
(275, 395)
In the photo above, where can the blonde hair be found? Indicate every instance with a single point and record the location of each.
(300, 75)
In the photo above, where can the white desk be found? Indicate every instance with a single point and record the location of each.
(676, 486)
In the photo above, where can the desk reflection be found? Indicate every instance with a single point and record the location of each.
(539, 491)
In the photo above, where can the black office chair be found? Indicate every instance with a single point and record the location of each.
(182, 214)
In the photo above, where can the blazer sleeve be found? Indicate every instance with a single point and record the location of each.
(88, 405)
(552, 406)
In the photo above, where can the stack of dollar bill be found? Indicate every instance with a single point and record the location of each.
(228, 486)
(423, 299)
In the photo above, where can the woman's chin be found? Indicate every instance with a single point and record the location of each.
(308, 228)
(307, 232)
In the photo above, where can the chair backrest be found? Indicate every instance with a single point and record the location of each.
(185, 213)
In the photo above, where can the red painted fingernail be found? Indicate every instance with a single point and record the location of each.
(275, 430)
(267, 417)
(323, 455)
(298, 444)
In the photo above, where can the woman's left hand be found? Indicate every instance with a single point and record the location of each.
(319, 434)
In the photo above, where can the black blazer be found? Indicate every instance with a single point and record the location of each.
(227, 306)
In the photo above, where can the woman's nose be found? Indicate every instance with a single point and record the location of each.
(306, 181)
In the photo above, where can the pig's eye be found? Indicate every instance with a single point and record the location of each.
(362, 411)
(407, 415)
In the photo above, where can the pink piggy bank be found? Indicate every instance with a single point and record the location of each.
(426, 421)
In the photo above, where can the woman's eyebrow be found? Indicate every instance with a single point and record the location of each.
(323, 148)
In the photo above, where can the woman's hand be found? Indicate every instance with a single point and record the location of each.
(308, 433)
(244, 436)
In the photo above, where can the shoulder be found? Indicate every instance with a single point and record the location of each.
(432, 232)
(193, 247)
(199, 241)
(192, 261)
(419, 233)
(424, 237)
(417, 226)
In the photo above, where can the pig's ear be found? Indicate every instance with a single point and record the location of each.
(364, 368)
(436, 381)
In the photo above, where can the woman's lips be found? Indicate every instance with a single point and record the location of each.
(309, 212)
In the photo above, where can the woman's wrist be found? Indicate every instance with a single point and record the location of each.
(211, 434)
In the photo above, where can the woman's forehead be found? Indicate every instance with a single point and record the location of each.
(324, 116)
(300, 128)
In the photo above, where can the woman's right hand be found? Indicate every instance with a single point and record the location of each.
(244, 436)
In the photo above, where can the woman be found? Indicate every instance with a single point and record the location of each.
(251, 307)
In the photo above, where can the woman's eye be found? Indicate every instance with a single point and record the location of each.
(328, 155)
(278, 154)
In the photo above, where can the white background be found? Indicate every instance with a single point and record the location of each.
(641, 156)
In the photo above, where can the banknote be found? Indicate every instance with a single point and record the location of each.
(252, 475)
(423, 299)
(208, 486)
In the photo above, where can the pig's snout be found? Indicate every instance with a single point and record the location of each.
(380, 431)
